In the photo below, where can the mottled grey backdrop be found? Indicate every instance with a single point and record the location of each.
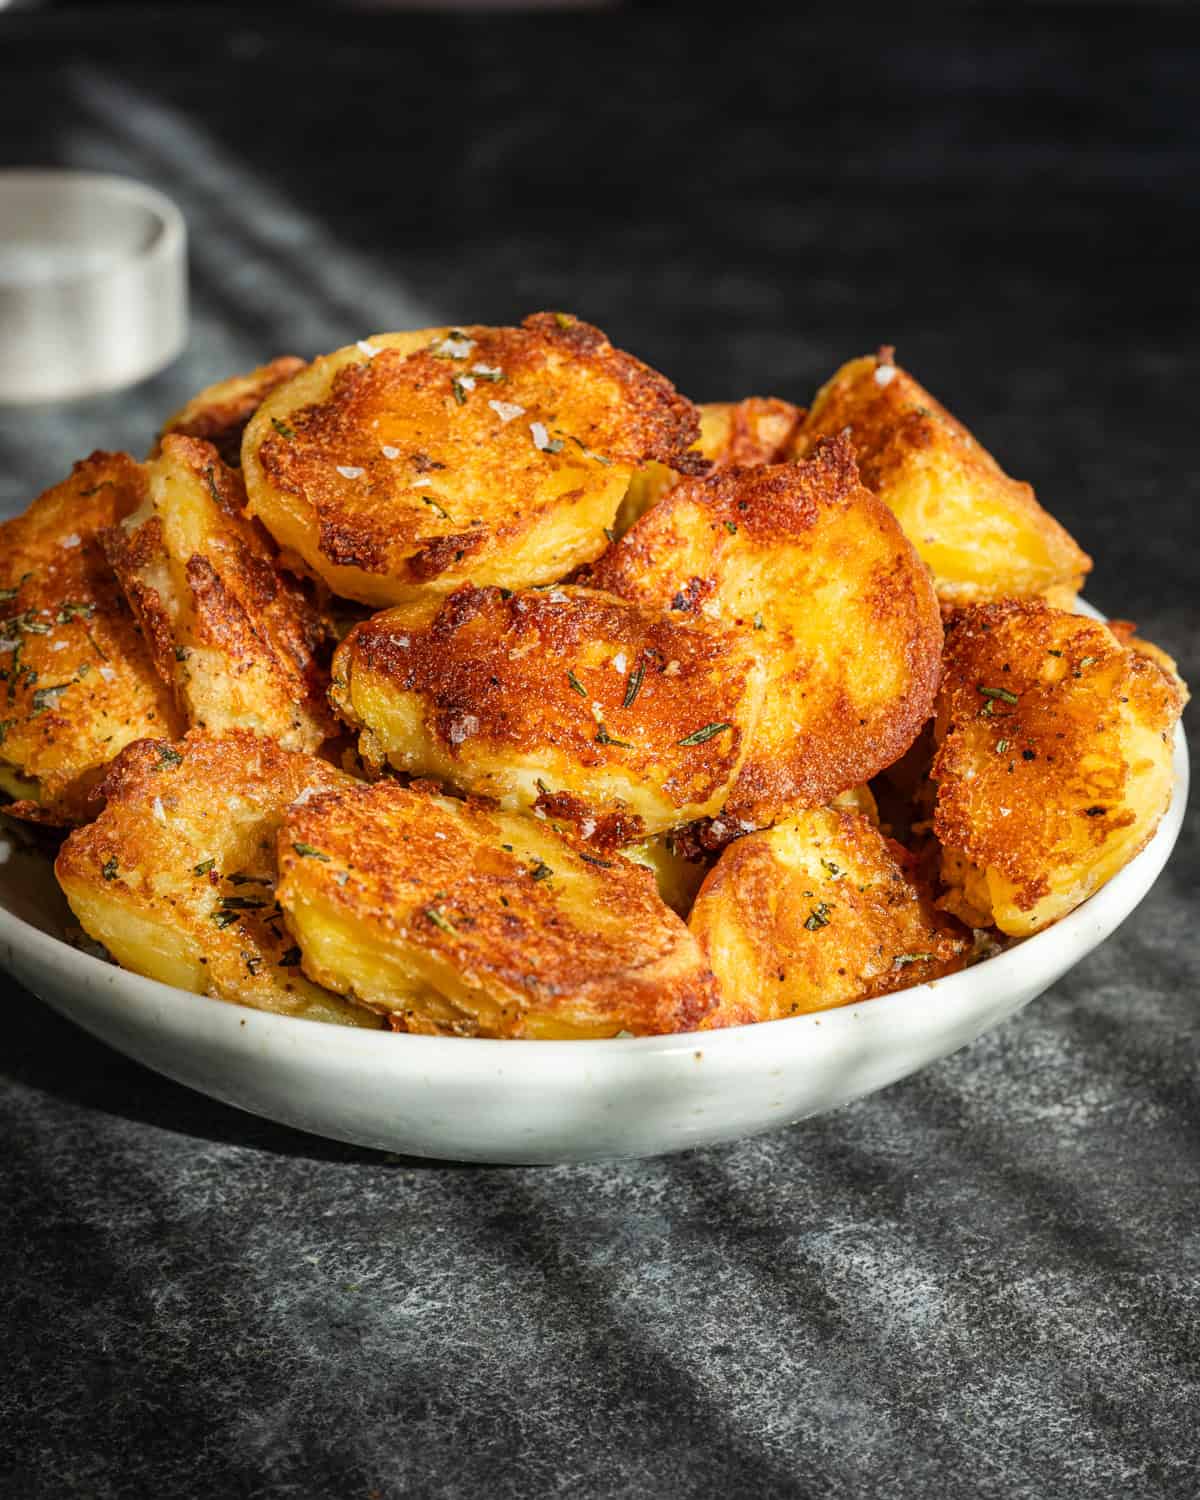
(981, 1283)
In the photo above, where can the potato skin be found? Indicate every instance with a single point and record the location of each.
(816, 573)
(391, 473)
(453, 917)
(176, 876)
(570, 701)
(219, 413)
(77, 682)
(984, 535)
(819, 911)
(232, 633)
(1054, 760)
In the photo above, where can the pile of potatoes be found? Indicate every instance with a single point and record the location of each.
(473, 681)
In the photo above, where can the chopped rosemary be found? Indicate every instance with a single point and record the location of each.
(576, 685)
(241, 903)
(564, 320)
(818, 917)
(210, 479)
(487, 372)
(282, 428)
(73, 611)
(1002, 693)
(441, 510)
(1001, 746)
(899, 961)
(634, 685)
(700, 736)
(7, 594)
(290, 958)
(253, 964)
(592, 859)
(610, 534)
(604, 738)
(169, 756)
(541, 871)
(731, 527)
(440, 920)
(182, 653)
(306, 851)
(109, 868)
(203, 867)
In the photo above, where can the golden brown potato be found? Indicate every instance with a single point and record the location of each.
(219, 413)
(176, 878)
(983, 534)
(77, 682)
(418, 461)
(1054, 764)
(1126, 633)
(453, 917)
(579, 704)
(758, 430)
(817, 574)
(232, 633)
(818, 911)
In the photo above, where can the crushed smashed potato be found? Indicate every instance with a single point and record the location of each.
(646, 718)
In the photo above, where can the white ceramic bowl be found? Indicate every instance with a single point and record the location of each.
(471, 1100)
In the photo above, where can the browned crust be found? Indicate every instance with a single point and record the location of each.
(532, 672)
(78, 682)
(852, 924)
(591, 943)
(187, 840)
(560, 370)
(220, 412)
(237, 600)
(819, 733)
(1061, 776)
(757, 430)
(891, 425)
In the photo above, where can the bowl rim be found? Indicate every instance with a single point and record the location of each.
(1022, 966)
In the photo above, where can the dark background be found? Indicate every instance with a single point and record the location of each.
(982, 1282)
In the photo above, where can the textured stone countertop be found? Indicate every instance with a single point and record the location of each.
(980, 1283)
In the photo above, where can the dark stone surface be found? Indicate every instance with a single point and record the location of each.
(982, 1282)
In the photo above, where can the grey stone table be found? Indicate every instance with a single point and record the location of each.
(982, 1282)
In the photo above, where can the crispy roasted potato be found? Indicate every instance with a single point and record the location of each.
(816, 573)
(453, 917)
(231, 632)
(623, 721)
(818, 911)
(758, 430)
(983, 534)
(1054, 761)
(77, 682)
(176, 878)
(414, 462)
(219, 413)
